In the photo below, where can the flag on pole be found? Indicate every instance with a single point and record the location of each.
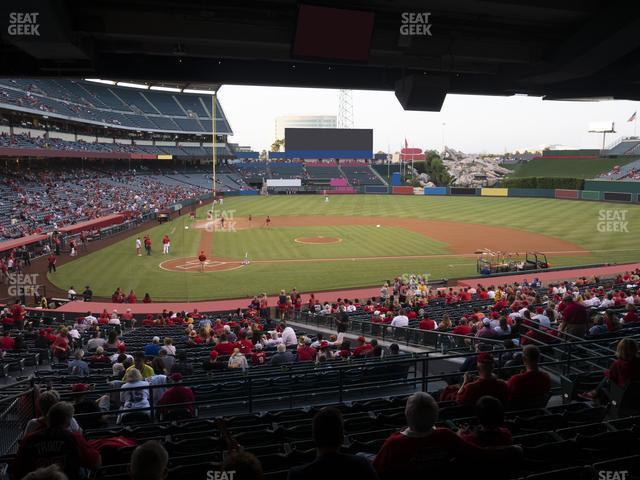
(632, 117)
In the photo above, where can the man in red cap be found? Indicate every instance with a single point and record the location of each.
(486, 383)
(212, 362)
(203, 259)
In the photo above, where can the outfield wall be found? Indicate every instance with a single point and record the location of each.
(628, 192)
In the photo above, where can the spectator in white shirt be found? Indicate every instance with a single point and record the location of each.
(289, 336)
(400, 320)
(608, 302)
(138, 398)
(591, 301)
(114, 320)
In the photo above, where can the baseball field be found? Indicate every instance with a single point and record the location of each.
(349, 241)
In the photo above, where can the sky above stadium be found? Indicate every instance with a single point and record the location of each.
(473, 124)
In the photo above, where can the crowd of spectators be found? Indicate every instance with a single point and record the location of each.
(36, 201)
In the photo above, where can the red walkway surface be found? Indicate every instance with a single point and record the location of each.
(550, 277)
(208, 306)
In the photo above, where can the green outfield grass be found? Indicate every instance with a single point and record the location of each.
(117, 265)
(569, 167)
(356, 241)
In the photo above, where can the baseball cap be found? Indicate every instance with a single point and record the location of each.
(486, 321)
(176, 377)
(121, 347)
(324, 344)
(214, 354)
(257, 346)
(361, 339)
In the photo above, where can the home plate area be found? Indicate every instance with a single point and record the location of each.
(192, 264)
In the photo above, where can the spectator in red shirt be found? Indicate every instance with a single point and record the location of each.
(532, 383)
(486, 383)
(362, 347)
(131, 298)
(56, 445)
(244, 344)
(306, 353)
(258, 357)
(224, 347)
(623, 370)
(423, 449)
(60, 345)
(489, 432)
(6, 342)
(180, 396)
(18, 312)
(463, 328)
(631, 316)
(427, 324)
(575, 319)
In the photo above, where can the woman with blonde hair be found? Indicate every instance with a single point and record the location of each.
(445, 324)
(133, 394)
(624, 370)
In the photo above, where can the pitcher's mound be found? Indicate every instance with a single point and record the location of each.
(318, 240)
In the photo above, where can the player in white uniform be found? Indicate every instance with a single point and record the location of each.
(138, 247)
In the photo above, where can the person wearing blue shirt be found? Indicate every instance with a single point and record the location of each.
(79, 366)
(152, 349)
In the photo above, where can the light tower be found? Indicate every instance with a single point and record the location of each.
(345, 109)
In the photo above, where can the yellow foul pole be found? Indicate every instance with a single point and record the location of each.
(213, 141)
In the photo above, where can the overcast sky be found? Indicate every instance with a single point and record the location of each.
(473, 124)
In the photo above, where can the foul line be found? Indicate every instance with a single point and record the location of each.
(415, 257)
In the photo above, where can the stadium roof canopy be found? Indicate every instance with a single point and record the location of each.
(559, 49)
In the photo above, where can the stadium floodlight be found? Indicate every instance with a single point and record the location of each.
(133, 85)
(603, 128)
(100, 80)
(198, 92)
(165, 89)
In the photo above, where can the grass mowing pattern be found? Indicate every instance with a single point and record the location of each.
(357, 241)
(117, 265)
